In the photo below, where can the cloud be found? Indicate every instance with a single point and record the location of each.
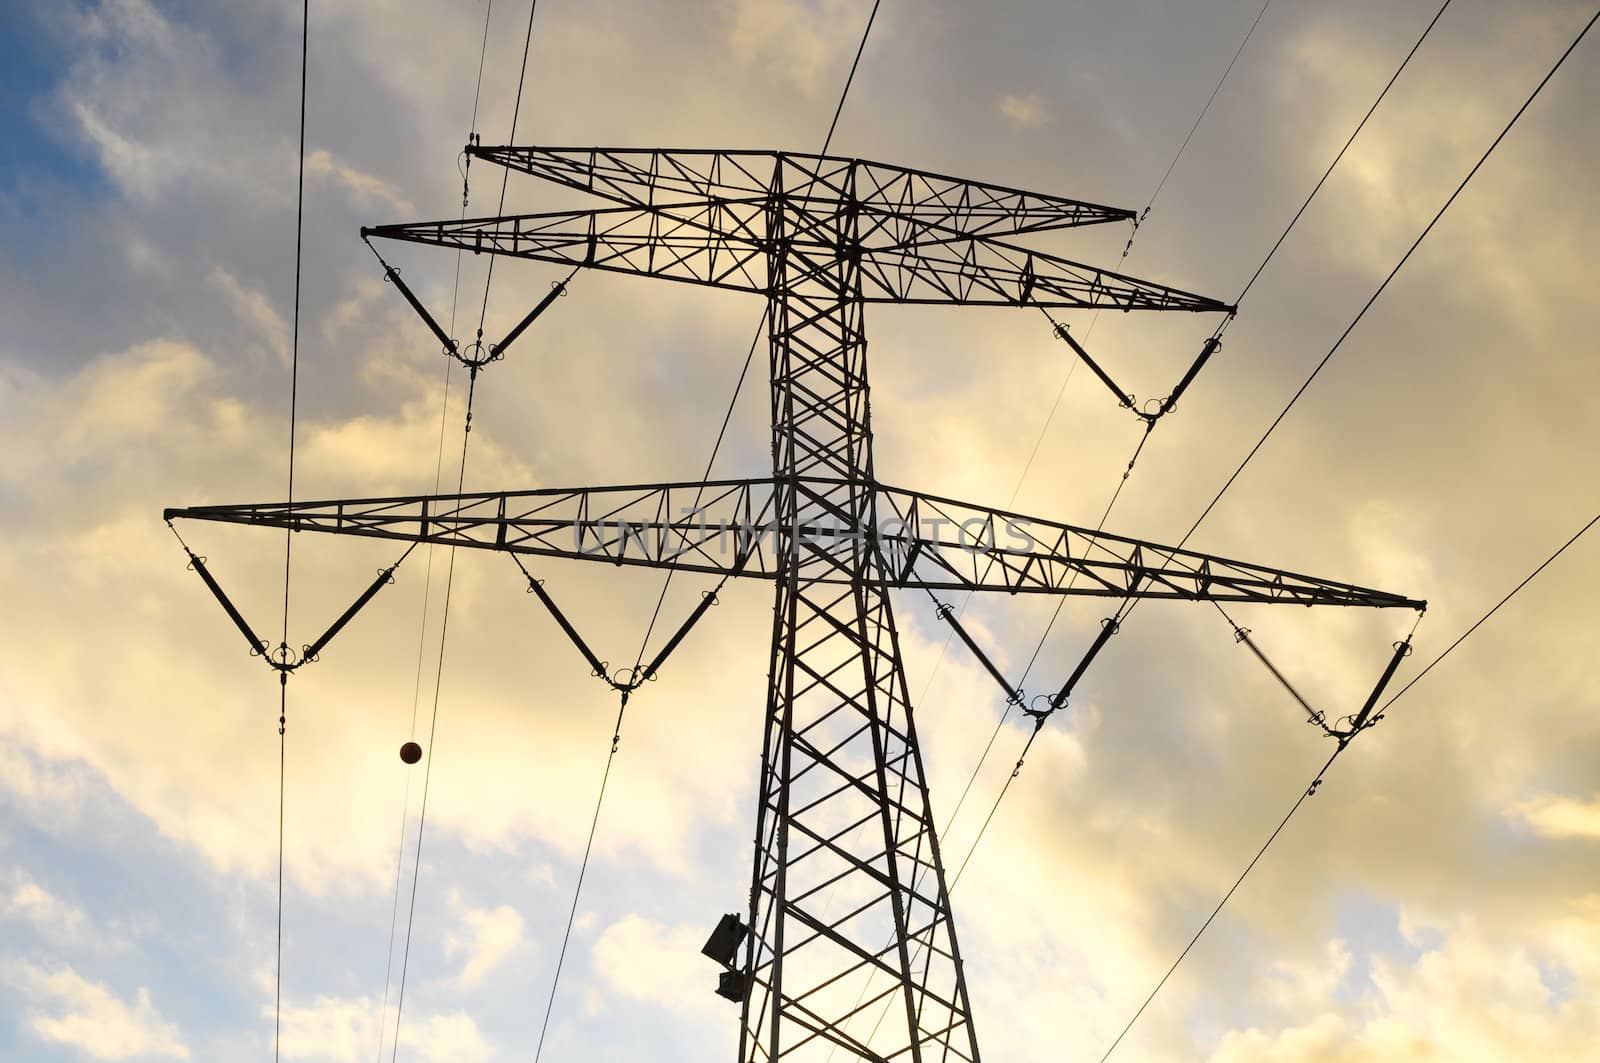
(340, 1030)
(1295, 985)
(137, 168)
(449, 1038)
(1468, 999)
(1561, 817)
(49, 791)
(646, 961)
(68, 1009)
(490, 935)
(1024, 112)
(48, 914)
(161, 423)
(256, 312)
(146, 95)
(799, 42)
(1135, 809)
(366, 189)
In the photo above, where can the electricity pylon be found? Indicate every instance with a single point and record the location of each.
(848, 889)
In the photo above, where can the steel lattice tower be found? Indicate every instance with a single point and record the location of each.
(848, 890)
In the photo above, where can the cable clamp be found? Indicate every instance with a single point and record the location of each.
(283, 659)
(475, 355)
(1050, 705)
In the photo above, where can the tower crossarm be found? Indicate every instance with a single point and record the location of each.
(969, 271)
(647, 177)
(721, 244)
(728, 527)
(715, 242)
(717, 527)
(940, 543)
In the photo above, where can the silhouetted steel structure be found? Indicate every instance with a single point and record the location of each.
(847, 886)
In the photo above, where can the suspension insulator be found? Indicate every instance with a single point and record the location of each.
(1206, 352)
(498, 350)
(1401, 651)
(393, 276)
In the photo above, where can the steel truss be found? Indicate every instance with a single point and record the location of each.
(730, 527)
(848, 888)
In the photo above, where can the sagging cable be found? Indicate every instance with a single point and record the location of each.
(1108, 627)
(392, 275)
(599, 667)
(1317, 718)
(945, 612)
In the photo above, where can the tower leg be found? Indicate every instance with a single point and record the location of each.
(849, 908)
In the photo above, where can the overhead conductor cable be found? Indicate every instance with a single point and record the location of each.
(1316, 781)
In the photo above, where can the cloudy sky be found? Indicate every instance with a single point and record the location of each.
(1436, 899)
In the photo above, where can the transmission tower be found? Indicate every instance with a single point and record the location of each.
(847, 887)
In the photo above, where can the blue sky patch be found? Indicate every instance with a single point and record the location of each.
(33, 68)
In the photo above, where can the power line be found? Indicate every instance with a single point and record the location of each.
(505, 176)
(1308, 790)
(850, 78)
(666, 582)
(444, 625)
(1202, 115)
(616, 736)
(1385, 284)
(1016, 490)
(1072, 366)
(427, 580)
(433, 727)
(1329, 171)
(1050, 417)
(277, 971)
(1222, 327)
(1284, 822)
(288, 536)
(1129, 604)
(583, 867)
(744, 370)
(1482, 620)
